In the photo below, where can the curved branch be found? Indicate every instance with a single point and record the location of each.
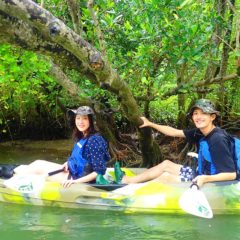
(98, 29)
(74, 9)
(55, 31)
(52, 28)
(202, 83)
(68, 85)
(21, 34)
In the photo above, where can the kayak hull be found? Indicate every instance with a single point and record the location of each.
(149, 197)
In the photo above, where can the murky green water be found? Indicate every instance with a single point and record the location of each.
(31, 222)
(25, 222)
(26, 151)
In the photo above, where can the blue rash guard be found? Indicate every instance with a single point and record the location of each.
(89, 155)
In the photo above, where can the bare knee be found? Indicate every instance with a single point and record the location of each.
(165, 164)
(38, 163)
(39, 166)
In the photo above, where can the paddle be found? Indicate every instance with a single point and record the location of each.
(55, 172)
(194, 201)
(29, 183)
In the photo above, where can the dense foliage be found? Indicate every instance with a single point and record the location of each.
(27, 94)
(154, 45)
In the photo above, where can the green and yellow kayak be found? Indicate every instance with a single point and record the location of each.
(149, 197)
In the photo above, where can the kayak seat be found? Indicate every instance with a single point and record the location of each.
(7, 170)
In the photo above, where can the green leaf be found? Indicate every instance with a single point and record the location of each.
(127, 26)
(186, 2)
(237, 53)
(144, 80)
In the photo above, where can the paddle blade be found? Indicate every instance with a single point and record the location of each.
(194, 201)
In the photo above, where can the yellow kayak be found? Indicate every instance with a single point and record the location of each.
(150, 197)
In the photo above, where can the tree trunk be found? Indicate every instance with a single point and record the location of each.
(26, 24)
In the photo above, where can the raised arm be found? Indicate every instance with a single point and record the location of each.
(169, 131)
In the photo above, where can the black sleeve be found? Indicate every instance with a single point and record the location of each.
(220, 149)
(193, 136)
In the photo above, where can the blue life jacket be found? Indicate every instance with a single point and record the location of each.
(236, 153)
(76, 162)
(204, 155)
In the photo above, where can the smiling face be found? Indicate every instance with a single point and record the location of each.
(203, 121)
(82, 123)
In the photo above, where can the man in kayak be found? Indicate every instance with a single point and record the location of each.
(88, 158)
(221, 167)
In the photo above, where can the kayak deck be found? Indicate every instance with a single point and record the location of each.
(149, 197)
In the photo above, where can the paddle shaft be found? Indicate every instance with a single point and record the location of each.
(55, 172)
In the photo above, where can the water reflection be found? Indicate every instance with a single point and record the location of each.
(23, 152)
(54, 223)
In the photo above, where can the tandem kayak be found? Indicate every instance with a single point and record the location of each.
(148, 197)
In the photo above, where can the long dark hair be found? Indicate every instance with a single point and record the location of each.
(77, 135)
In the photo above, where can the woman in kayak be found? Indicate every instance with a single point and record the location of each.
(88, 158)
(221, 167)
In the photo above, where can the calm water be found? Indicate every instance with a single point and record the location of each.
(31, 222)
(25, 222)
